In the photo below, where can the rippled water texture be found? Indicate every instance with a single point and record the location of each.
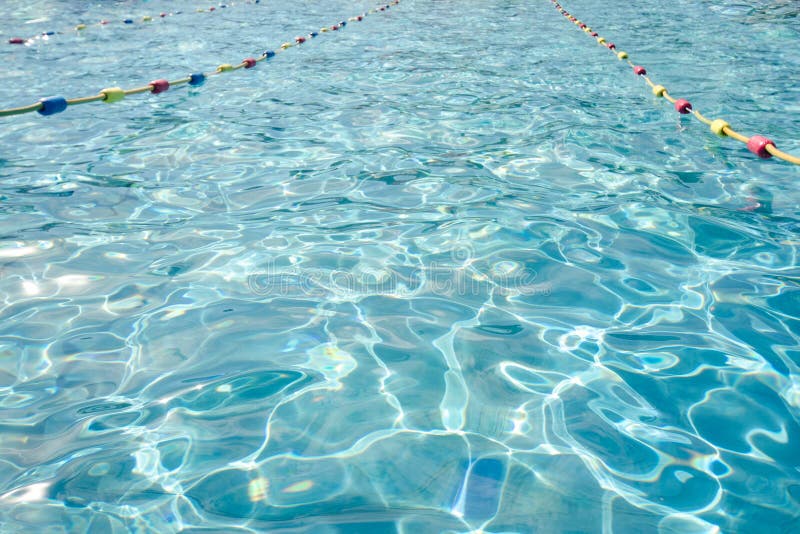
(451, 268)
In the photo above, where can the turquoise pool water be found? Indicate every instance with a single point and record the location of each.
(451, 269)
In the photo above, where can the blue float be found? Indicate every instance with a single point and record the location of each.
(52, 105)
(198, 78)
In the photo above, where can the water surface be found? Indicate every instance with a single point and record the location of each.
(450, 269)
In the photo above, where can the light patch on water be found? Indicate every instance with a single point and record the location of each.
(20, 249)
(299, 487)
(333, 362)
(27, 494)
(258, 489)
(573, 339)
(76, 280)
(100, 469)
(30, 288)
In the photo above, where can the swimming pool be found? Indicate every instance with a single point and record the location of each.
(450, 268)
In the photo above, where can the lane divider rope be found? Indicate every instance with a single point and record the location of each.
(46, 35)
(57, 104)
(757, 144)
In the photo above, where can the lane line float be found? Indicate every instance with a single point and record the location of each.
(56, 104)
(759, 145)
(46, 35)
